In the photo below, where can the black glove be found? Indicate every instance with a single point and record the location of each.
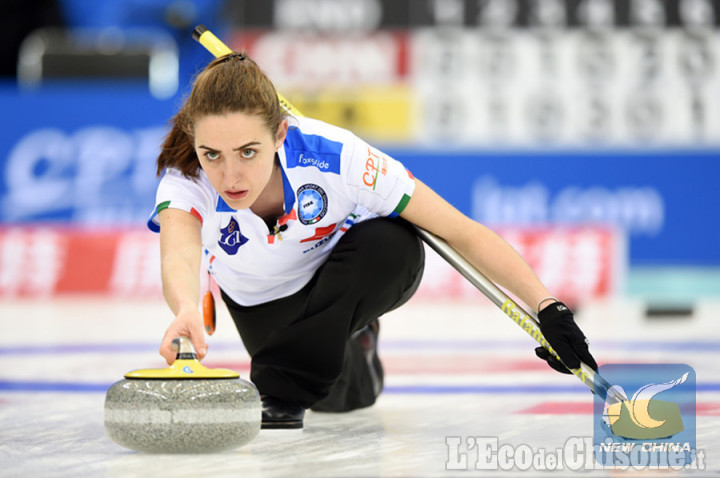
(565, 337)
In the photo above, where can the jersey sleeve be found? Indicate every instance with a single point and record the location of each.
(178, 192)
(376, 180)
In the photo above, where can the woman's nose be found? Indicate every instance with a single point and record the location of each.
(232, 173)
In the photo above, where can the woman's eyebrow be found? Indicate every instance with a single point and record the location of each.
(251, 143)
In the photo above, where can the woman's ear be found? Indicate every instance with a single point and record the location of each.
(281, 134)
(189, 131)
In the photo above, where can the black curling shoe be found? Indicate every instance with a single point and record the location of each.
(367, 337)
(280, 415)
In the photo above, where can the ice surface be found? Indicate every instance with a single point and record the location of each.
(459, 376)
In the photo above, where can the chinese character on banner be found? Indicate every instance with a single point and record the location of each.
(577, 264)
(31, 261)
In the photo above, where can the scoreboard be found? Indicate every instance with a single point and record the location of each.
(344, 15)
(497, 72)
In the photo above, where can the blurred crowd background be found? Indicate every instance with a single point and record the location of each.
(586, 132)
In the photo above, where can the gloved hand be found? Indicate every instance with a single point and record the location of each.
(560, 330)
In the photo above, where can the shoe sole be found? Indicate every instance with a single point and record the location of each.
(287, 425)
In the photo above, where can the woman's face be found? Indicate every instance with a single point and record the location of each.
(237, 153)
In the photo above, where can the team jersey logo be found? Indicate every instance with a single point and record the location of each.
(312, 203)
(374, 166)
(231, 238)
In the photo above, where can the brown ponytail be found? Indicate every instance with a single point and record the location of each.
(230, 84)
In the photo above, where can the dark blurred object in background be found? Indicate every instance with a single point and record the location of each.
(176, 18)
(20, 17)
(92, 55)
(108, 40)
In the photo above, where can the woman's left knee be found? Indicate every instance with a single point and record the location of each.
(392, 245)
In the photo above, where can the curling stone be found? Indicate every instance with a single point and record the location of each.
(186, 408)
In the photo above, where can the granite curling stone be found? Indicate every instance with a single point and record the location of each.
(186, 408)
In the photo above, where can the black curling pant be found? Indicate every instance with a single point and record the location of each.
(300, 345)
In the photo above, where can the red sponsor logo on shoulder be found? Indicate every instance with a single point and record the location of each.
(374, 166)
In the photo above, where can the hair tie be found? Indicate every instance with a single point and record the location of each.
(239, 56)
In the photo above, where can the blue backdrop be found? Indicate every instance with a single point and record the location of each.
(667, 201)
(85, 154)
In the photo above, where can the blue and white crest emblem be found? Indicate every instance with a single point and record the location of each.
(312, 203)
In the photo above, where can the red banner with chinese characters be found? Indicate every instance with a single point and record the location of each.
(40, 261)
(576, 264)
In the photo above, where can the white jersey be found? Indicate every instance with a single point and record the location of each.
(331, 180)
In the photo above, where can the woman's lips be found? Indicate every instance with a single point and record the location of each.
(236, 194)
